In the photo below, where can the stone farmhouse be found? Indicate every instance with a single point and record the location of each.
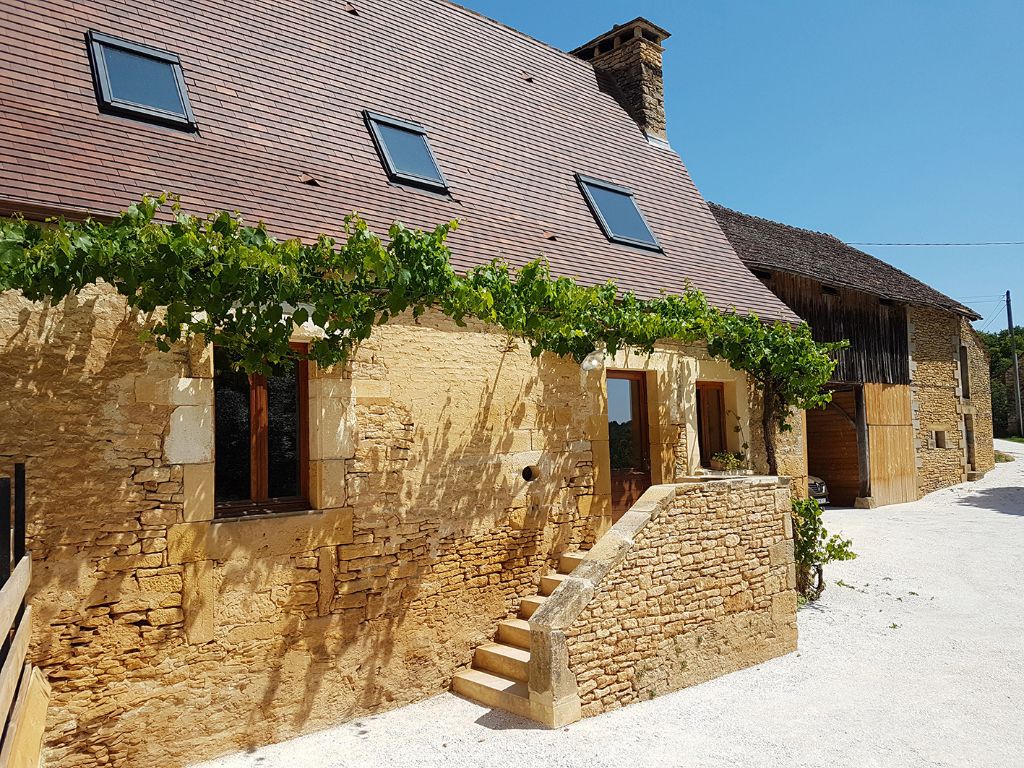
(222, 561)
(912, 406)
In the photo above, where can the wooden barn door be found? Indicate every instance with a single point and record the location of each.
(891, 457)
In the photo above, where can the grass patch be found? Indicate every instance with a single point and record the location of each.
(1016, 439)
(1003, 458)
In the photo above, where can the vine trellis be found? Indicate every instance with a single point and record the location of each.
(245, 290)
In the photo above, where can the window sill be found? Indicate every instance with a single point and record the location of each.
(229, 513)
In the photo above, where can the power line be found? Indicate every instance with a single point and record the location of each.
(945, 245)
(996, 303)
(991, 306)
(988, 308)
(991, 320)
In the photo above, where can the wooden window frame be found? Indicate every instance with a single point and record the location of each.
(639, 405)
(259, 502)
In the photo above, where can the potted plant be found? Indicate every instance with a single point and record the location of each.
(728, 461)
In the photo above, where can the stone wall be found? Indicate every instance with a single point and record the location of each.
(695, 581)
(935, 396)
(939, 403)
(166, 633)
(979, 406)
(153, 621)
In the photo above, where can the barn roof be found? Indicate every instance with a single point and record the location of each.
(278, 88)
(770, 245)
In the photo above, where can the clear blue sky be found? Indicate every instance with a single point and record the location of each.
(875, 120)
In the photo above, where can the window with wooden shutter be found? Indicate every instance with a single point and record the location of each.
(261, 463)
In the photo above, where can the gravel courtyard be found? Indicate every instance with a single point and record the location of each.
(913, 657)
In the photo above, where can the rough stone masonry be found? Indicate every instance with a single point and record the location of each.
(706, 587)
(169, 636)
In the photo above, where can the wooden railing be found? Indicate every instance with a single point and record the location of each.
(24, 692)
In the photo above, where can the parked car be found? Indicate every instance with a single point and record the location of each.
(817, 489)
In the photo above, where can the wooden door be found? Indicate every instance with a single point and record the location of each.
(710, 420)
(891, 455)
(629, 440)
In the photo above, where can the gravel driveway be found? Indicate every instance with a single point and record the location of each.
(913, 657)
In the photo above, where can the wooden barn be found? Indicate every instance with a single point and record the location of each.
(911, 406)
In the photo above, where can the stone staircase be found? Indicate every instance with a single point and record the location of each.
(501, 670)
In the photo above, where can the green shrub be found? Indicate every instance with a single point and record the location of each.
(813, 548)
(730, 461)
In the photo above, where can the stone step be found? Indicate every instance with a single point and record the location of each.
(529, 605)
(569, 560)
(503, 660)
(549, 582)
(493, 691)
(514, 632)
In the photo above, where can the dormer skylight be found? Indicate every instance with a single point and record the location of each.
(616, 211)
(405, 152)
(139, 81)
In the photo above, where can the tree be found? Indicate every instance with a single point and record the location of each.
(1004, 394)
(813, 548)
(786, 363)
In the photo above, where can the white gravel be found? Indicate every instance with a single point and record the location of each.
(913, 657)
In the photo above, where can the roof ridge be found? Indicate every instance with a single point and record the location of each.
(518, 32)
(954, 305)
(787, 226)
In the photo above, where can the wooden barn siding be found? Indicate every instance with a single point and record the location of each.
(832, 448)
(878, 350)
(891, 444)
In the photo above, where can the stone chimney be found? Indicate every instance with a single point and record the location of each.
(628, 61)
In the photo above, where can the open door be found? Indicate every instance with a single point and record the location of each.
(710, 420)
(628, 439)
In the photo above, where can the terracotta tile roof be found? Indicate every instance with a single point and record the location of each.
(765, 244)
(278, 86)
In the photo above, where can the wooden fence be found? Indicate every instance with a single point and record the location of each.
(24, 692)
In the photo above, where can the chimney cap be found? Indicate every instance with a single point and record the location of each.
(638, 27)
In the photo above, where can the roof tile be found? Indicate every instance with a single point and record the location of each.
(766, 244)
(278, 91)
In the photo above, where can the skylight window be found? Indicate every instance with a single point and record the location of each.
(617, 213)
(406, 154)
(139, 81)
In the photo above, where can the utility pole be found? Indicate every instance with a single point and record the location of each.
(1016, 362)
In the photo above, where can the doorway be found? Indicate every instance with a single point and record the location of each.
(710, 420)
(835, 446)
(629, 443)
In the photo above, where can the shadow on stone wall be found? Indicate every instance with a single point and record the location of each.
(445, 538)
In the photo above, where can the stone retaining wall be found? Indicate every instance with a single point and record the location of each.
(695, 581)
